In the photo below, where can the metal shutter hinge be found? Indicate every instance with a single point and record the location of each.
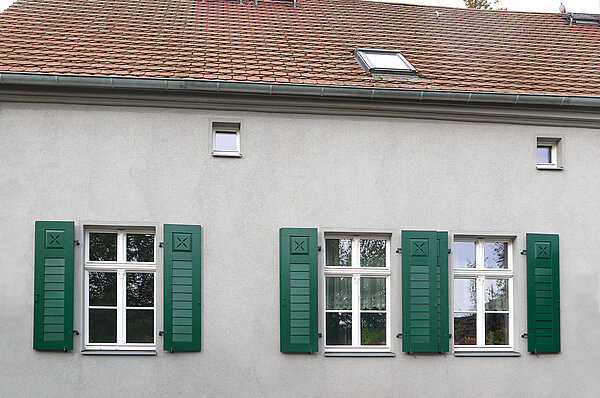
(76, 332)
(399, 336)
(399, 250)
(319, 248)
(524, 335)
(161, 332)
(320, 334)
(161, 244)
(523, 252)
(76, 242)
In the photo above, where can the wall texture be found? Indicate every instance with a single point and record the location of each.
(153, 165)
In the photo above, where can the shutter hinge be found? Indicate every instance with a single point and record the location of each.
(449, 251)
(524, 252)
(161, 244)
(171, 349)
(76, 242)
(161, 332)
(65, 349)
(524, 335)
(37, 297)
(449, 335)
(399, 250)
(320, 334)
(76, 332)
(318, 248)
(399, 335)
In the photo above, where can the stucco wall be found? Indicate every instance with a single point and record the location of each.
(153, 165)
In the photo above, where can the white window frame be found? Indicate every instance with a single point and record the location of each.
(226, 127)
(480, 274)
(355, 272)
(553, 143)
(362, 56)
(121, 267)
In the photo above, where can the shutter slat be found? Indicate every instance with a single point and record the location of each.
(543, 293)
(54, 265)
(299, 290)
(425, 291)
(182, 310)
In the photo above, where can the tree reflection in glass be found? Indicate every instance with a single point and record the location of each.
(372, 253)
(140, 326)
(373, 329)
(465, 328)
(495, 255)
(103, 288)
(140, 248)
(496, 328)
(103, 246)
(496, 295)
(338, 252)
(339, 328)
(140, 289)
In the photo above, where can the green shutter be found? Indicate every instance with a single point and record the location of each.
(53, 290)
(181, 287)
(543, 310)
(299, 290)
(425, 291)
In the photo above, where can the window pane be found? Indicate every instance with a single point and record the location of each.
(339, 293)
(339, 252)
(496, 329)
(103, 288)
(386, 61)
(372, 330)
(465, 295)
(495, 255)
(225, 141)
(103, 326)
(544, 154)
(496, 295)
(372, 253)
(140, 248)
(140, 326)
(103, 246)
(339, 328)
(464, 254)
(140, 289)
(372, 293)
(465, 328)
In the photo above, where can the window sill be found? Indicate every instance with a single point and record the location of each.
(227, 154)
(486, 354)
(555, 168)
(118, 352)
(359, 354)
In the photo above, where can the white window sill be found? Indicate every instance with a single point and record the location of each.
(358, 354)
(227, 154)
(549, 167)
(119, 352)
(486, 354)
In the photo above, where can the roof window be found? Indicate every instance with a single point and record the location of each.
(384, 62)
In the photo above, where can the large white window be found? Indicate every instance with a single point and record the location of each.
(120, 286)
(483, 305)
(357, 292)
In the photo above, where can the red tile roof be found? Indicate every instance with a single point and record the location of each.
(472, 50)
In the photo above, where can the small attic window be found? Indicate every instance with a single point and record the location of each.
(386, 62)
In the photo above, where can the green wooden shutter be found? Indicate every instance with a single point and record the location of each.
(53, 285)
(425, 291)
(181, 287)
(299, 290)
(543, 305)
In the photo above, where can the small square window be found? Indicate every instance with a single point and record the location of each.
(390, 62)
(548, 153)
(226, 139)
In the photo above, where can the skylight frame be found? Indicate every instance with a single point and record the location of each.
(361, 55)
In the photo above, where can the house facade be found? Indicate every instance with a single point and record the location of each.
(281, 199)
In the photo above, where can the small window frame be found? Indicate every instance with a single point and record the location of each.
(361, 55)
(230, 128)
(555, 153)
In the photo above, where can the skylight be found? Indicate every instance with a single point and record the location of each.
(390, 62)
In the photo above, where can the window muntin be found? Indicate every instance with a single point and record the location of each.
(380, 61)
(356, 280)
(483, 308)
(226, 139)
(120, 289)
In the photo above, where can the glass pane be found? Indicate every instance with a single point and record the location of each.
(372, 329)
(464, 254)
(140, 326)
(372, 293)
(372, 253)
(465, 295)
(496, 295)
(103, 288)
(140, 248)
(339, 328)
(496, 329)
(339, 252)
(103, 326)
(386, 61)
(225, 141)
(103, 246)
(495, 255)
(465, 328)
(339, 293)
(140, 289)
(544, 154)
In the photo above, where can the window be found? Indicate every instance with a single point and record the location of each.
(483, 294)
(357, 291)
(120, 286)
(547, 153)
(226, 139)
(384, 62)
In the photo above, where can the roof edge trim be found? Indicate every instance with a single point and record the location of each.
(241, 87)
